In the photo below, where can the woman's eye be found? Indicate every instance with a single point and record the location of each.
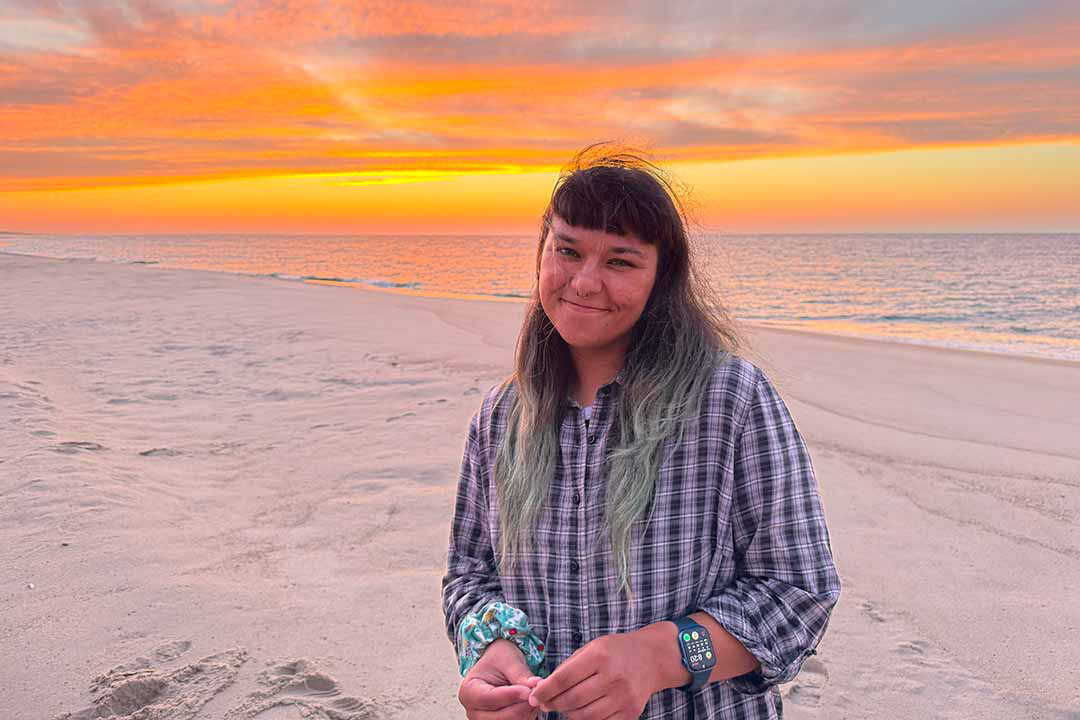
(572, 253)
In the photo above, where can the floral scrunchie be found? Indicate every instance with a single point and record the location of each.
(491, 622)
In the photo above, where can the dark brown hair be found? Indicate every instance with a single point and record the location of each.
(674, 345)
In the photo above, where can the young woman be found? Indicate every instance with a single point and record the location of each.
(638, 530)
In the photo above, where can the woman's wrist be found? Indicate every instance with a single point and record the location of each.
(499, 650)
(667, 670)
(503, 645)
(498, 621)
(658, 643)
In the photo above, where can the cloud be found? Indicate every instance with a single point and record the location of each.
(99, 91)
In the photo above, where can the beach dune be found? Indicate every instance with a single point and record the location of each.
(225, 496)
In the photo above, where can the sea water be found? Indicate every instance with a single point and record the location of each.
(1003, 292)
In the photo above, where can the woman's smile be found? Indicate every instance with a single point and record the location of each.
(586, 309)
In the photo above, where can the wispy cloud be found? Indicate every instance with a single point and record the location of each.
(112, 93)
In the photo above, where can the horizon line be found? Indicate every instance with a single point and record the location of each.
(242, 233)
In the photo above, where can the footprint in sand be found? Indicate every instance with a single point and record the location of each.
(139, 691)
(297, 690)
(915, 648)
(173, 650)
(162, 653)
(806, 688)
(156, 452)
(873, 612)
(72, 447)
(369, 534)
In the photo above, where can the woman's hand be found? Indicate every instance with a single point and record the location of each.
(498, 685)
(611, 677)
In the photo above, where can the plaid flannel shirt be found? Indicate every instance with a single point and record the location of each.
(737, 530)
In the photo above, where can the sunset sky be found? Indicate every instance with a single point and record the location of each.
(398, 116)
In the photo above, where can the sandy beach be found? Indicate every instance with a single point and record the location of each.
(229, 497)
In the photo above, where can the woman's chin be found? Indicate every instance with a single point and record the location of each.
(575, 338)
(582, 341)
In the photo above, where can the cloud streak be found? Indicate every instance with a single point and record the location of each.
(117, 93)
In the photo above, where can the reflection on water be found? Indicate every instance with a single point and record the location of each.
(1012, 293)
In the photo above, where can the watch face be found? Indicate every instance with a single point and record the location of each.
(697, 649)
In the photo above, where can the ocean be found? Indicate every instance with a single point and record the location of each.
(1017, 294)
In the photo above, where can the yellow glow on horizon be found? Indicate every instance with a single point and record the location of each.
(1002, 187)
(993, 188)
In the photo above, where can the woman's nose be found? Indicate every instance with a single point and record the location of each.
(586, 281)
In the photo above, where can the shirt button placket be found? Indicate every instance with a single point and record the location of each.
(590, 445)
(581, 527)
(584, 530)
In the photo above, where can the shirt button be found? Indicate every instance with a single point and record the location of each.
(592, 439)
(577, 637)
(577, 497)
(574, 567)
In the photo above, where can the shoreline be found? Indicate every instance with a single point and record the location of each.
(411, 292)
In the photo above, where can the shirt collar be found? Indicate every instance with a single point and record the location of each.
(619, 379)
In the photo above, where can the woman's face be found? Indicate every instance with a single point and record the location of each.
(594, 285)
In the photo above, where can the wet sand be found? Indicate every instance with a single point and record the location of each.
(229, 497)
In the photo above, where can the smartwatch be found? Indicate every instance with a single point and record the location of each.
(696, 648)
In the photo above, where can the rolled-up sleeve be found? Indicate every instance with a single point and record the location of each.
(472, 578)
(786, 583)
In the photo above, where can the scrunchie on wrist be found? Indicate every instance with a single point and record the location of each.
(494, 621)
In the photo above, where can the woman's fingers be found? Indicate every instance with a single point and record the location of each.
(572, 671)
(516, 711)
(600, 709)
(479, 695)
(586, 692)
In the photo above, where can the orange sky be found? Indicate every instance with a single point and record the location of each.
(401, 116)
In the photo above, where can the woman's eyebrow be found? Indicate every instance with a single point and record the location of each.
(618, 249)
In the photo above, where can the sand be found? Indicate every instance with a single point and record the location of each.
(229, 497)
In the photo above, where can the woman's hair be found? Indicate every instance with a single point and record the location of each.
(673, 348)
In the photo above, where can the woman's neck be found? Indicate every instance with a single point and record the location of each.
(594, 369)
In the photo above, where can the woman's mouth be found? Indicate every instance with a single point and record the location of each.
(584, 308)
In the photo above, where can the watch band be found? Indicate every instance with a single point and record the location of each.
(702, 640)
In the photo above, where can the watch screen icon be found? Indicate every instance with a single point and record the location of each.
(696, 649)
